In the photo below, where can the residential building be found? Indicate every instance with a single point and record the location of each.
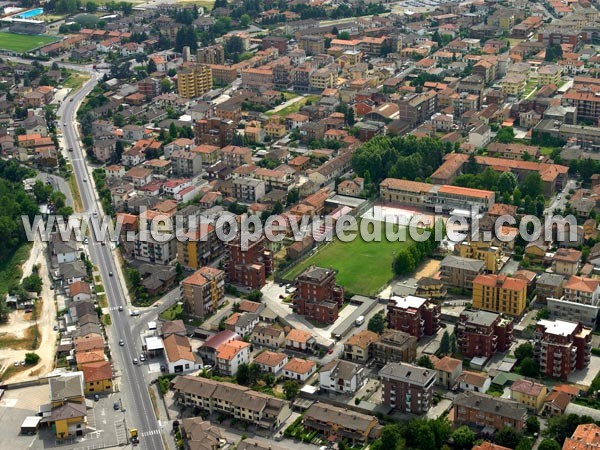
(359, 347)
(179, 355)
(555, 404)
(208, 350)
(407, 388)
(231, 355)
(562, 347)
(580, 303)
(213, 54)
(460, 272)
(482, 334)
(500, 293)
(530, 393)
(430, 288)
(474, 382)
(186, 163)
(200, 434)
(566, 261)
(146, 248)
(194, 81)
(299, 369)
(249, 264)
(240, 402)
(585, 437)
(416, 316)
(199, 247)
(248, 190)
(203, 291)
(271, 336)
(300, 341)
(97, 376)
(242, 322)
(394, 346)
(483, 251)
(318, 297)
(69, 419)
(341, 377)
(339, 423)
(549, 285)
(549, 74)
(482, 410)
(514, 84)
(271, 362)
(448, 370)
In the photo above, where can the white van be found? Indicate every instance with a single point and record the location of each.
(359, 321)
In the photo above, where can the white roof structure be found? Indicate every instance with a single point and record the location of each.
(410, 301)
(154, 343)
(558, 327)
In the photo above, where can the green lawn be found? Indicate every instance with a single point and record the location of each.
(363, 267)
(22, 43)
(76, 80)
(295, 107)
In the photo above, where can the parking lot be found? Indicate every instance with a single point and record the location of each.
(15, 406)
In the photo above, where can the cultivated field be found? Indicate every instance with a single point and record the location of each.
(23, 43)
(363, 267)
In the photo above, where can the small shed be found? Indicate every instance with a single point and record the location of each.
(30, 425)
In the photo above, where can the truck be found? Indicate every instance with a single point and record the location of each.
(359, 321)
(133, 436)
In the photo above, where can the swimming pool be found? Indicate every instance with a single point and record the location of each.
(29, 14)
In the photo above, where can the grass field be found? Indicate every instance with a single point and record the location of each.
(363, 267)
(295, 107)
(10, 269)
(76, 80)
(22, 43)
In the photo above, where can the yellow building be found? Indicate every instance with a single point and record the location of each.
(550, 74)
(322, 79)
(194, 81)
(506, 22)
(514, 84)
(275, 129)
(69, 419)
(483, 251)
(97, 376)
(529, 393)
(68, 387)
(499, 293)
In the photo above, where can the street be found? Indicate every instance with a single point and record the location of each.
(134, 392)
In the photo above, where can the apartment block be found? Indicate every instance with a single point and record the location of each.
(581, 301)
(318, 297)
(407, 388)
(186, 163)
(482, 410)
(199, 247)
(249, 264)
(194, 81)
(562, 347)
(248, 190)
(231, 399)
(483, 251)
(394, 346)
(500, 293)
(203, 291)
(148, 249)
(359, 347)
(213, 54)
(416, 316)
(482, 333)
(339, 423)
(214, 131)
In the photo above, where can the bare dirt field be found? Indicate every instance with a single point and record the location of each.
(18, 335)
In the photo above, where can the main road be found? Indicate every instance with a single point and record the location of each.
(135, 397)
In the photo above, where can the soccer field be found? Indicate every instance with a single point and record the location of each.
(23, 43)
(363, 267)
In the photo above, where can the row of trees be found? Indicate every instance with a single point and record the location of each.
(409, 256)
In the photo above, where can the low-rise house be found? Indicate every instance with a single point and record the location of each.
(359, 347)
(231, 355)
(555, 404)
(341, 376)
(300, 341)
(268, 336)
(240, 402)
(530, 393)
(585, 437)
(299, 369)
(271, 362)
(448, 371)
(482, 410)
(97, 376)
(200, 434)
(242, 323)
(340, 423)
(208, 350)
(179, 354)
(475, 382)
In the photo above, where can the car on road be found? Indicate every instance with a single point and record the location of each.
(142, 357)
(64, 124)
(70, 149)
(110, 274)
(121, 342)
(120, 308)
(71, 100)
(96, 397)
(85, 180)
(163, 368)
(559, 197)
(116, 406)
(85, 240)
(135, 361)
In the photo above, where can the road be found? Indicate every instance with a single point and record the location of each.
(559, 201)
(134, 392)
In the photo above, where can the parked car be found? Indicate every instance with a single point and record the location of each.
(116, 406)
(96, 397)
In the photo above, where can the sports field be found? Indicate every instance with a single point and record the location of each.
(23, 43)
(363, 267)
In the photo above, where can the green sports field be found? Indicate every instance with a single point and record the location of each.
(363, 267)
(23, 43)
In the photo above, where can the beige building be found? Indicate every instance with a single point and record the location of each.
(203, 291)
(529, 393)
(194, 81)
(359, 347)
(483, 251)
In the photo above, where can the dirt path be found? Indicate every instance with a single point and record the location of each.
(429, 269)
(46, 309)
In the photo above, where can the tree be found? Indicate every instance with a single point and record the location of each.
(463, 437)
(42, 191)
(561, 427)
(453, 344)
(165, 85)
(524, 351)
(524, 444)
(91, 7)
(507, 182)
(151, 66)
(507, 437)
(344, 35)
(350, 120)
(505, 135)
(424, 361)
(532, 425)
(376, 323)
(532, 185)
(31, 359)
(445, 343)
(404, 263)
(529, 367)
(32, 283)
(245, 20)
(291, 389)
(549, 444)
(242, 376)
(553, 53)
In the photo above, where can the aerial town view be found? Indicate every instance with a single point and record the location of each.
(300, 224)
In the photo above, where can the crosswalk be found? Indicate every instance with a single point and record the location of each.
(150, 433)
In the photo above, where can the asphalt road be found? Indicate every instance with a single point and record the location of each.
(134, 392)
